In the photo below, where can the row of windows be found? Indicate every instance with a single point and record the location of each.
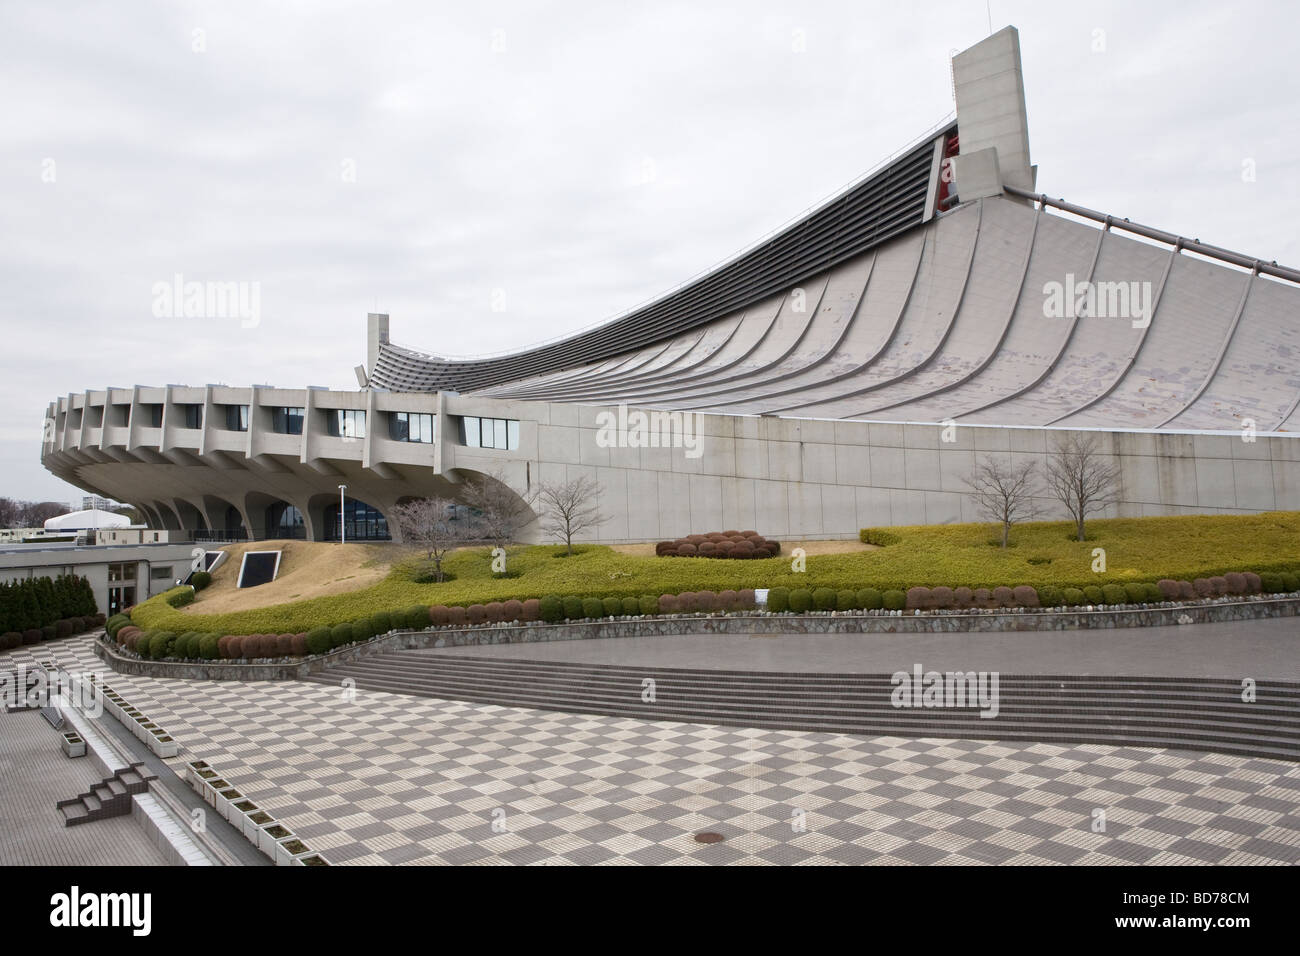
(489, 433)
(360, 522)
(475, 432)
(410, 426)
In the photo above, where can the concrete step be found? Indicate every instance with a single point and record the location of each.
(1196, 713)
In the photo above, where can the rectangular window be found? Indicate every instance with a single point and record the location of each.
(237, 418)
(121, 572)
(411, 426)
(346, 422)
(286, 421)
(191, 416)
(152, 415)
(163, 573)
(500, 433)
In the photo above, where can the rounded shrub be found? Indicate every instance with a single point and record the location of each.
(458, 615)
(63, 628)
(551, 609)
(982, 597)
(115, 624)
(1049, 596)
(729, 600)
(318, 641)
(417, 617)
(1093, 593)
(10, 639)
(477, 613)
(778, 600)
(530, 610)
(1220, 585)
(340, 634)
(1291, 581)
(823, 599)
(363, 629)
(284, 645)
(746, 599)
(1236, 582)
(200, 580)
(687, 602)
(1203, 587)
(1169, 589)
(1252, 582)
(943, 597)
(208, 647)
(648, 604)
(593, 607)
(707, 601)
(611, 607)
(668, 604)
(1272, 583)
(894, 600)
(496, 611)
(1025, 596)
(573, 608)
(1113, 594)
(1073, 597)
(1185, 591)
(439, 615)
(1153, 595)
(1134, 593)
(383, 622)
(918, 599)
(631, 606)
(870, 599)
(1004, 596)
(846, 600)
(142, 644)
(801, 600)
(512, 610)
(686, 550)
(299, 645)
(49, 632)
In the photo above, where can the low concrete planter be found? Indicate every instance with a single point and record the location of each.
(289, 850)
(73, 745)
(1257, 607)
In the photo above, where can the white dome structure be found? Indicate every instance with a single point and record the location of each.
(90, 520)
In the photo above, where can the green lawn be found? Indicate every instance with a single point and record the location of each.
(1137, 549)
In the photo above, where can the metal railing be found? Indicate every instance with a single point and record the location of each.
(1178, 242)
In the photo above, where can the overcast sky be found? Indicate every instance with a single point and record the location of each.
(571, 159)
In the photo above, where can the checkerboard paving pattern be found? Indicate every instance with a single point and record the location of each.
(375, 778)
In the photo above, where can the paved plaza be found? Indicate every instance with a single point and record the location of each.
(374, 778)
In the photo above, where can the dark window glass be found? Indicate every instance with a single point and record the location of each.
(287, 421)
(361, 522)
(284, 521)
(191, 416)
(410, 426)
(237, 418)
(346, 422)
(153, 415)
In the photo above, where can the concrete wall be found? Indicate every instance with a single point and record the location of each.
(784, 477)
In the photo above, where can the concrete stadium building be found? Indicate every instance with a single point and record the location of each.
(850, 371)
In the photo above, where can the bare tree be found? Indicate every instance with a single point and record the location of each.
(9, 512)
(35, 513)
(428, 524)
(1004, 493)
(570, 508)
(1081, 478)
(500, 512)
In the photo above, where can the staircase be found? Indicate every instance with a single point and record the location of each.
(109, 798)
(1175, 712)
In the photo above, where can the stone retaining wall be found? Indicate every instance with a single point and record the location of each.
(849, 622)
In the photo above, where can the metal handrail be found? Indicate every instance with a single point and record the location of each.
(1178, 242)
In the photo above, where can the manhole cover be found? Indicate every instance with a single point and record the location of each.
(709, 836)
